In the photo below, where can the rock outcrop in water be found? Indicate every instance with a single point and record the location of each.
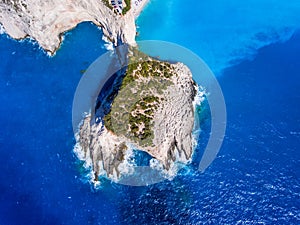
(46, 21)
(153, 111)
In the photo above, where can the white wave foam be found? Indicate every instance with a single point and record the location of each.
(127, 166)
(200, 96)
(108, 44)
(80, 155)
(167, 174)
(77, 147)
(172, 172)
(199, 99)
(2, 30)
(89, 177)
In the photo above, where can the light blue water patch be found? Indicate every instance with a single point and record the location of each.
(221, 32)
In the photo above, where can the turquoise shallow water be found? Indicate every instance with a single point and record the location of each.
(221, 32)
(255, 178)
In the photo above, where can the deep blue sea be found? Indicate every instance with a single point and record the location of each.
(254, 49)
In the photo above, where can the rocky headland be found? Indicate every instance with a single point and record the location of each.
(152, 110)
(47, 21)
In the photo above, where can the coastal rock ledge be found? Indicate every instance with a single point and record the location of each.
(46, 21)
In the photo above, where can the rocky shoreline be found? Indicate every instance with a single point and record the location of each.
(47, 21)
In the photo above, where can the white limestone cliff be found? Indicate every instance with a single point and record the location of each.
(46, 21)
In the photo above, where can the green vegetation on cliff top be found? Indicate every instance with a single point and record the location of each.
(139, 96)
(127, 7)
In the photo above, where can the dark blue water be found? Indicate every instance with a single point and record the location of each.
(40, 178)
(254, 179)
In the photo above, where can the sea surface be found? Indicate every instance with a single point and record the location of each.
(254, 49)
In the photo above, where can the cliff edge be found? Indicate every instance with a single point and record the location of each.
(46, 21)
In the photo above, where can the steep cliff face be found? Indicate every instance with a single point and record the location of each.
(46, 21)
(153, 112)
